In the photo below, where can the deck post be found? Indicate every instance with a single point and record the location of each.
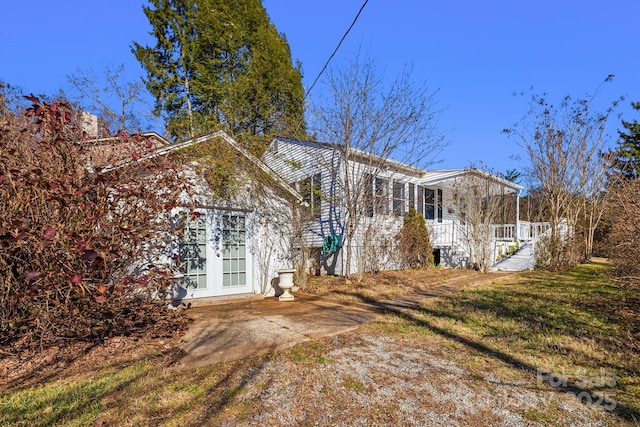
(516, 232)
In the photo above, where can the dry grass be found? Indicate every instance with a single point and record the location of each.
(386, 285)
(470, 359)
(580, 326)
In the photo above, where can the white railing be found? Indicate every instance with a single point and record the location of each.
(532, 231)
(443, 233)
(504, 232)
(527, 231)
(455, 235)
(452, 233)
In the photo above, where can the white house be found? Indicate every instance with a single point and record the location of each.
(380, 191)
(235, 246)
(230, 246)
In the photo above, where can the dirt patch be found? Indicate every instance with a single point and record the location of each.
(392, 371)
(382, 374)
(32, 367)
(35, 366)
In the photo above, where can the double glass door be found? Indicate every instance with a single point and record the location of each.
(215, 256)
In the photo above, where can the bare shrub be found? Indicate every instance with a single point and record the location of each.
(479, 200)
(372, 122)
(563, 143)
(554, 253)
(624, 235)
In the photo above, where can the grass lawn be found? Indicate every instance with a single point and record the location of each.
(577, 332)
(553, 334)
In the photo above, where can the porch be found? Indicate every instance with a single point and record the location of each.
(454, 232)
(453, 236)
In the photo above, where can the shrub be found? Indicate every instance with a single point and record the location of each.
(73, 241)
(624, 234)
(413, 241)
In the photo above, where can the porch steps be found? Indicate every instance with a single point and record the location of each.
(520, 261)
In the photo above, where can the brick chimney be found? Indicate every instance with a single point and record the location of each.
(90, 124)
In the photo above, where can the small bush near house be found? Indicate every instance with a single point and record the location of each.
(71, 237)
(413, 241)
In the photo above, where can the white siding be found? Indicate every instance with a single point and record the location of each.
(297, 160)
(373, 246)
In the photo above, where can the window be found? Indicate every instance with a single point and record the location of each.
(382, 196)
(420, 200)
(234, 250)
(369, 202)
(439, 205)
(412, 196)
(311, 190)
(398, 198)
(429, 203)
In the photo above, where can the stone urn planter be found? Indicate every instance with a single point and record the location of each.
(286, 283)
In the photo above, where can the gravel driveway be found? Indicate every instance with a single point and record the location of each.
(365, 378)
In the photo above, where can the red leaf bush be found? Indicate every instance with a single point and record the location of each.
(76, 252)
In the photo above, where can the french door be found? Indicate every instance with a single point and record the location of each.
(215, 256)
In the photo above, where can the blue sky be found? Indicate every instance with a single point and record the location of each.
(476, 53)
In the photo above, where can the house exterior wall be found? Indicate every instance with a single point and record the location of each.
(394, 187)
(295, 162)
(266, 218)
(271, 241)
(373, 245)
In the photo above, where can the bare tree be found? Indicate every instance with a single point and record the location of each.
(371, 122)
(479, 202)
(563, 144)
(595, 203)
(117, 102)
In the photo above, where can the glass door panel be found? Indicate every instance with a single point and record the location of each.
(235, 275)
(195, 255)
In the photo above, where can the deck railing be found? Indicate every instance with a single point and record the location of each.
(443, 233)
(452, 233)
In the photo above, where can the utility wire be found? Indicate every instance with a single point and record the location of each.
(326, 64)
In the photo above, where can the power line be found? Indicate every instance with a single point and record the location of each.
(326, 64)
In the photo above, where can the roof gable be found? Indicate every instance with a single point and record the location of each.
(164, 149)
(435, 177)
(355, 155)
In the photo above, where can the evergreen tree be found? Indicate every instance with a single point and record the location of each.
(413, 241)
(170, 64)
(626, 157)
(228, 69)
(512, 175)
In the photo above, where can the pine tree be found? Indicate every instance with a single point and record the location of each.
(626, 157)
(170, 64)
(228, 68)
